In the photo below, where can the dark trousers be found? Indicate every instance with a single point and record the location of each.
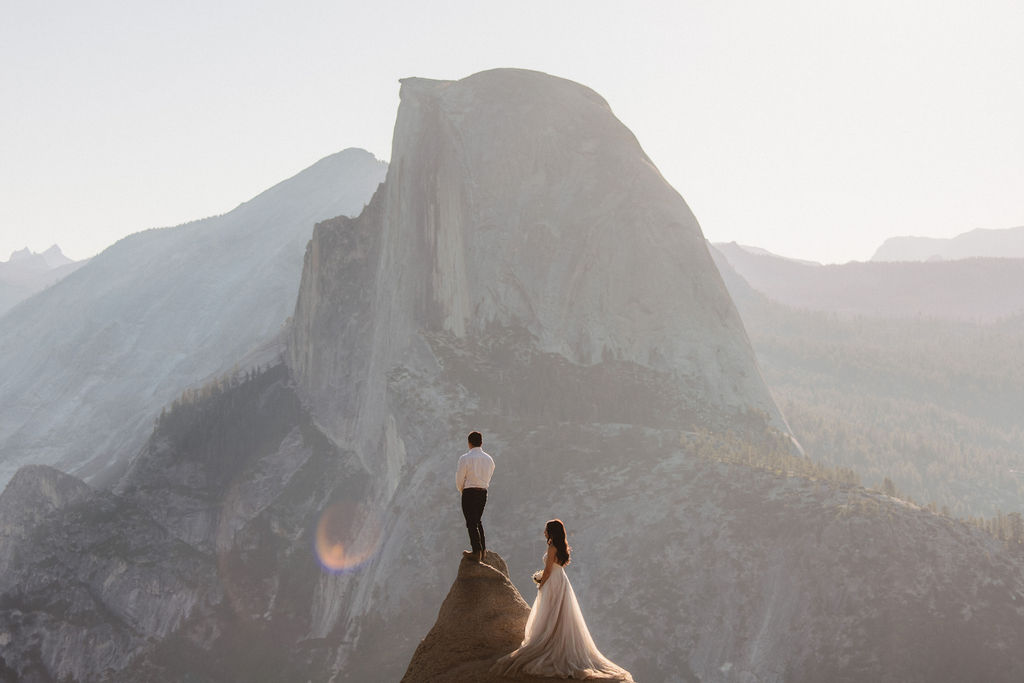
(473, 502)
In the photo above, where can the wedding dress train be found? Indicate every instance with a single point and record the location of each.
(557, 641)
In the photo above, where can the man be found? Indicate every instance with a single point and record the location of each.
(472, 479)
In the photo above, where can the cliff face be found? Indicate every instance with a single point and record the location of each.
(89, 584)
(515, 203)
(35, 494)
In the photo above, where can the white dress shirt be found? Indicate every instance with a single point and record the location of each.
(475, 470)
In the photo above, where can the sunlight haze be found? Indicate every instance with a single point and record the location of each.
(812, 129)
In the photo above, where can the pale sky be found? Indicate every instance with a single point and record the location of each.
(812, 128)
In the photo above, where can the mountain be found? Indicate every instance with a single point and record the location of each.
(47, 260)
(505, 277)
(502, 277)
(26, 273)
(1007, 243)
(974, 289)
(199, 565)
(86, 366)
(476, 241)
(525, 271)
(930, 404)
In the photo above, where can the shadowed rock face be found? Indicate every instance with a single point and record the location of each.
(197, 567)
(36, 493)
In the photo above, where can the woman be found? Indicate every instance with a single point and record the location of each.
(557, 642)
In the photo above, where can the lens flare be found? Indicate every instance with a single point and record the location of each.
(347, 535)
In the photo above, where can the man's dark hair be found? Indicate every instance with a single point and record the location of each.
(476, 439)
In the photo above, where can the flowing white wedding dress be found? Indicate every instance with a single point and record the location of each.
(557, 642)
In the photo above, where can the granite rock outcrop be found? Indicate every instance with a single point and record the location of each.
(482, 618)
(516, 204)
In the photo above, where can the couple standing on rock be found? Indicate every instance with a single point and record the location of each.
(557, 641)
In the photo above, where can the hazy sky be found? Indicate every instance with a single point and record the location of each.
(813, 128)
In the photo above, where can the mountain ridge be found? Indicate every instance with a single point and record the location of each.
(929, 404)
(86, 365)
(972, 289)
(980, 242)
(26, 273)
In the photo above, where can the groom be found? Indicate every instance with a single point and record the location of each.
(472, 479)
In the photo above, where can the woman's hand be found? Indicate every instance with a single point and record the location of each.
(549, 563)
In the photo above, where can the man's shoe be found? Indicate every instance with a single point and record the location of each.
(482, 554)
(470, 553)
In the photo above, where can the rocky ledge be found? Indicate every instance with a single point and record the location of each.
(482, 618)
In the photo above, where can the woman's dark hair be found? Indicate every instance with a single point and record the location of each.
(556, 534)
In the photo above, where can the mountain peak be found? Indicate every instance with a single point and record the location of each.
(55, 257)
(27, 273)
(20, 255)
(49, 259)
(502, 83)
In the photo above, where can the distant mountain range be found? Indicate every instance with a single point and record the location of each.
(26, 273)
(87, 365)
(1008, 243)
(972, 289)
(932, 404)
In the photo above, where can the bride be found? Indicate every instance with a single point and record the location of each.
(557, 642)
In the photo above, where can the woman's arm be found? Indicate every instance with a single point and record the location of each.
(549, 562)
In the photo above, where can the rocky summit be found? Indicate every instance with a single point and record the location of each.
(482, 618)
